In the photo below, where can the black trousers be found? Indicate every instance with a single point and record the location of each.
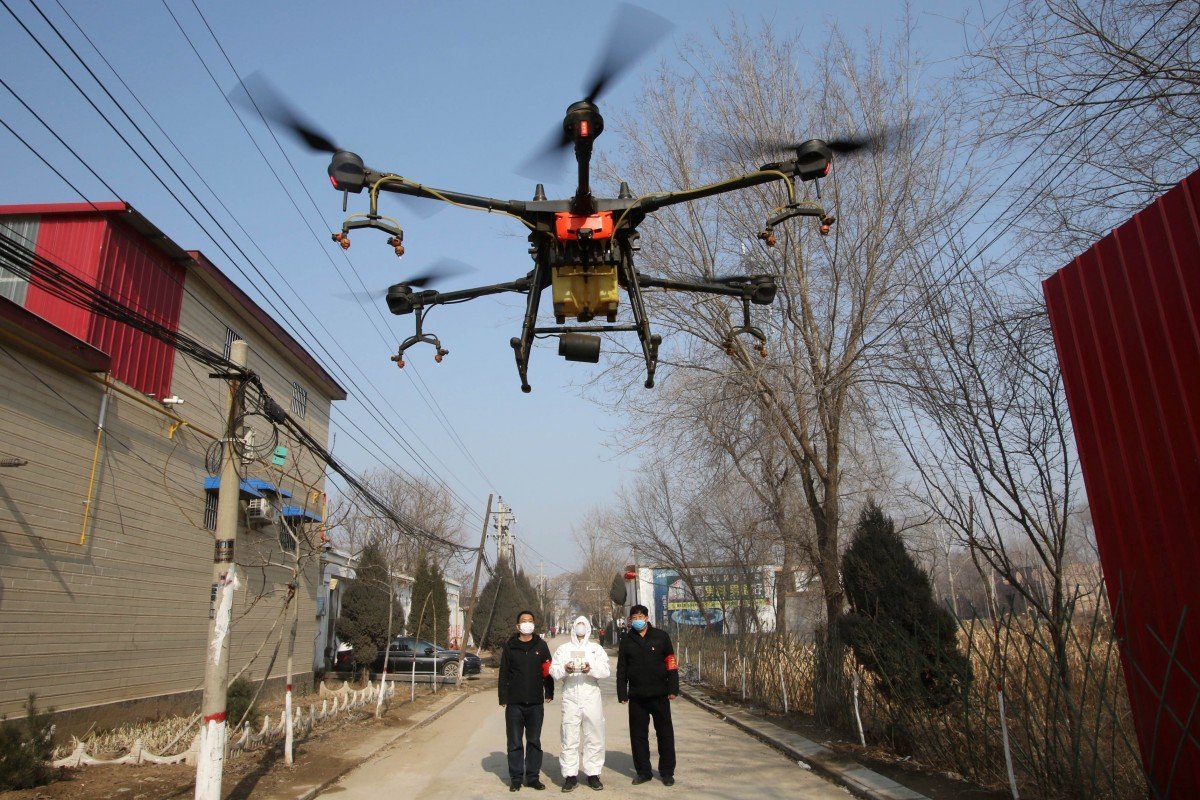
(523, 721)
(641, 710)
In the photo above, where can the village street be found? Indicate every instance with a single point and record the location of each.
(462, 755)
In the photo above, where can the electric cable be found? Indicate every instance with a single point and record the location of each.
(426, 395)
(208, 212)
(76, 291)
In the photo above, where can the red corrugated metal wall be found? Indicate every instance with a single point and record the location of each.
(74, 243)
(143, 278)
(113, 257)
(1124, 316)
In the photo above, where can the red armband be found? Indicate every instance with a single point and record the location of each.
(671, 662)
(545, 669)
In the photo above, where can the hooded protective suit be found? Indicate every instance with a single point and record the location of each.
(582, 709)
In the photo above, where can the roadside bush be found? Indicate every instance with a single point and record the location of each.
(26, 747)
(239, 700)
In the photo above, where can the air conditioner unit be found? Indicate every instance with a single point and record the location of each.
(261, 511)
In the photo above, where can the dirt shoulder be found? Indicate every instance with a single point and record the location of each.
(329, 751)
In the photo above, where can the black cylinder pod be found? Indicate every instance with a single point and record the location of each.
(579, 347)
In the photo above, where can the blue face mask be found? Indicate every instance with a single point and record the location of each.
(638, 624)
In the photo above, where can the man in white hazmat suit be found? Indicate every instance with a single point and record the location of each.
(580, 665)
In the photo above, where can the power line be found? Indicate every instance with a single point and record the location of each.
(424, 393)
(372, 409)
(66, 286)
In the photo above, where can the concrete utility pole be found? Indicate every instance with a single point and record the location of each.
(210, 764)
(504, 540)
(462, 640)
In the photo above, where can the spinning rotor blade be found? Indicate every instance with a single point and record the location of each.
(548, 159)
(438, 271)
(441, 270)
(634, 33)
(878, 139)
(257, 94)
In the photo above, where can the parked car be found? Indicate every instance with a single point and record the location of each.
(407, 651)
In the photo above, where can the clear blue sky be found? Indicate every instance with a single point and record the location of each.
(451, 94)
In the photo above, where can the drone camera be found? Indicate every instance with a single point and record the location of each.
(347, 172)
(579, 347)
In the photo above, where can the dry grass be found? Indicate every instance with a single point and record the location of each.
(1070, 737)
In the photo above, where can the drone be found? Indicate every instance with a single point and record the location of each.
(582, 247)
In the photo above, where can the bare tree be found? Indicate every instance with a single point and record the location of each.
(982, 413)
(836, 294)
(426, 506)
(601, 560)
(1100, 98)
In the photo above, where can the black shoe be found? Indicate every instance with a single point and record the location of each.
(640, 779)
(570, 783)
(535, 784)
(515, 786)
(668, 780)
(594, 782)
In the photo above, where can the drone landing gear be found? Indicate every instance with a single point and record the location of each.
(418, 338)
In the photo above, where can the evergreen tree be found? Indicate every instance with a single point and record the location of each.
(364, 618)
(895, 627)
(429, 614)
(503, 597)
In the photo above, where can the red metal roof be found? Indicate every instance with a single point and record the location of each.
(191, 260)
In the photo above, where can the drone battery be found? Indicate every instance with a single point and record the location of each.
(585, 292)
(579, 347)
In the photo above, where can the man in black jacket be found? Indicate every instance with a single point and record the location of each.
(524, 686)
(648, 679)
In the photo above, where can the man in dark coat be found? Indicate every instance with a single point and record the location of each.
(648, 679)
(525, 686)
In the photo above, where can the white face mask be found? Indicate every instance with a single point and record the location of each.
(525, 628)
(581, 630)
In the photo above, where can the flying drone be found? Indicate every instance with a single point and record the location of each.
(583, 247)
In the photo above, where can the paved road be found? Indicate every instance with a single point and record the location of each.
(462, 755)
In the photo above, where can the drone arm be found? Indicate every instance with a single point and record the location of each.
(706, 287)
(407, 302)
(653, 203)
(389, 182)
(519, 285)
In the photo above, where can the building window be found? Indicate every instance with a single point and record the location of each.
(23, 232)
(299, 400)
(230, 335)
(210, 510)
(286, 542)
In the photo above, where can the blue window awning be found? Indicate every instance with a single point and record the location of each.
(267, 486)
(212, 483)
(297, 512)
(251, 487)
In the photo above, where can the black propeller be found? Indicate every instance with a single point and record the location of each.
(634, 33)
(881, 138)
(441, 270)
(258, 94)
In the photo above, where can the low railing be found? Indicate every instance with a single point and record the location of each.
(335, 702)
